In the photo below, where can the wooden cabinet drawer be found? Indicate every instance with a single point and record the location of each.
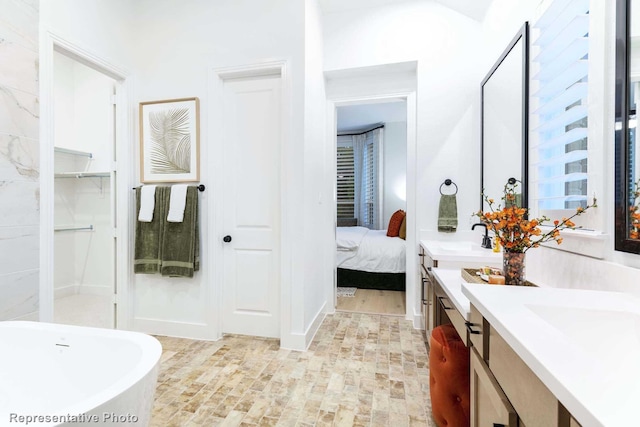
(454, 316)
(478, 332)
(489, 405)
(535, 404)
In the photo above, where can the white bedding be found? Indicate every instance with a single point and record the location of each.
(375, 253)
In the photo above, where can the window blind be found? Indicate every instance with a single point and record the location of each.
(345, 182)
(560, 117)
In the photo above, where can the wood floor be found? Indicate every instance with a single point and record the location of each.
(374, 301)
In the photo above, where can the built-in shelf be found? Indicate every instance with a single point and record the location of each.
(82, 175)
(74, 228)
(72, 152)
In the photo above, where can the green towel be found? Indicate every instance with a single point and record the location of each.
(517, 202)
(180, 252)
(148, 238)
(448, 213)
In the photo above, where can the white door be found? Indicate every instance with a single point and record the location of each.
(251, 205)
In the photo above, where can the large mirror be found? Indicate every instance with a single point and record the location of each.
(627, 144)
(504, 121)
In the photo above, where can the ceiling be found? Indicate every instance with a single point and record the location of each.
(358, 117)
(474, 9)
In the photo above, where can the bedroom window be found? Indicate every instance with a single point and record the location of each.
(359, 175)
(345, 182)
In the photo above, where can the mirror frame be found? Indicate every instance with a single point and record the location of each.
(622, 241)
(523, 34)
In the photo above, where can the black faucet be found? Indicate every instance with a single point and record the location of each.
(486, 241)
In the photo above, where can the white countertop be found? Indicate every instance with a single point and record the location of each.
(459, 251)
(583, 345)
(451, 282)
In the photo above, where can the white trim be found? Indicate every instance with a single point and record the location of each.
(301, 342)
(216, 273)
(412, 286)
(50, 42)
(196, 331)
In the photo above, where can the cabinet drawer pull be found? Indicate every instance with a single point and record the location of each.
(442, 302)
(498, 425)
(471, 331)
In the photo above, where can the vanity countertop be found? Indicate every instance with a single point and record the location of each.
(461, 251)
(583, 345)
(451, 282)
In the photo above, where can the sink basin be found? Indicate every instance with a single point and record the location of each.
(458, 246)
(460, 251)
(605, 335)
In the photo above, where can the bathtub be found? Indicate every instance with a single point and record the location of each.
(59, 375)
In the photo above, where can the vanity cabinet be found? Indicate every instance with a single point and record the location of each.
(427, 297)
(504, 390)
(489, 405)
(444, 311)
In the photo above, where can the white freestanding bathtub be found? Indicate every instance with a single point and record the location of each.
(59, 375)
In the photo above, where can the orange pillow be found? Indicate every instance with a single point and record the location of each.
(395, 222)
(403, 229)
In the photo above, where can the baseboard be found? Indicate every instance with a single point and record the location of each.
(64, 291)
(68, 290)
(94, 290)
(301, 342)
(196, 331)
(418, 321)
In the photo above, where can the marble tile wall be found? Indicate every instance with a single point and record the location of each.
(19, 158)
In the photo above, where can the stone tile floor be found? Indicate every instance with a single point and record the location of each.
(360, 370)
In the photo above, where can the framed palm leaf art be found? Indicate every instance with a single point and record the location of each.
(169, 140)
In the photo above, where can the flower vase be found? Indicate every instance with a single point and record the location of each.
(513, 268)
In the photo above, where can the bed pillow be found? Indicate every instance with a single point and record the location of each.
(403, 229)
(395, 222)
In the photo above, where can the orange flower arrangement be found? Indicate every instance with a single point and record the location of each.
(516, 233)
(634, 214)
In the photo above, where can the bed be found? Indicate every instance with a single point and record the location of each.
(368, 259)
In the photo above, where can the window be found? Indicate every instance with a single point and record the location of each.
(370, 182)
(359, 176)
(560, 76)
(345, 181)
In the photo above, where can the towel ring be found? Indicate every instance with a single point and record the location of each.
(448, 182)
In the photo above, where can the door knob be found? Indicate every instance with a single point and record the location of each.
(226, 239)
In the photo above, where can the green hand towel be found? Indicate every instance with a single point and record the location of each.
(448, 214)
(516, 202)
(180, 240)
(148, 237)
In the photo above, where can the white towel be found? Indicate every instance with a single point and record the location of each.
(177, 202)
(147, 203)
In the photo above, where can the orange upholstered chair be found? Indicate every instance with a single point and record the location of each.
(449, 378)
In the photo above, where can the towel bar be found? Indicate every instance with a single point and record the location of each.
(200, 187)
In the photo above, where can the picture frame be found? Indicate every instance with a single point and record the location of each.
(170, 140)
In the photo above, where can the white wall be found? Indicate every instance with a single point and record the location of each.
(19, 160)
(318, 180)
(617, 270)
(104, 27)
(172, 47)
(175, 63)
(444, 44)
(395, 169)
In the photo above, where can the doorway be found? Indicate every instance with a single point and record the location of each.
(84, 146)
(85, 208)
(371, 178)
